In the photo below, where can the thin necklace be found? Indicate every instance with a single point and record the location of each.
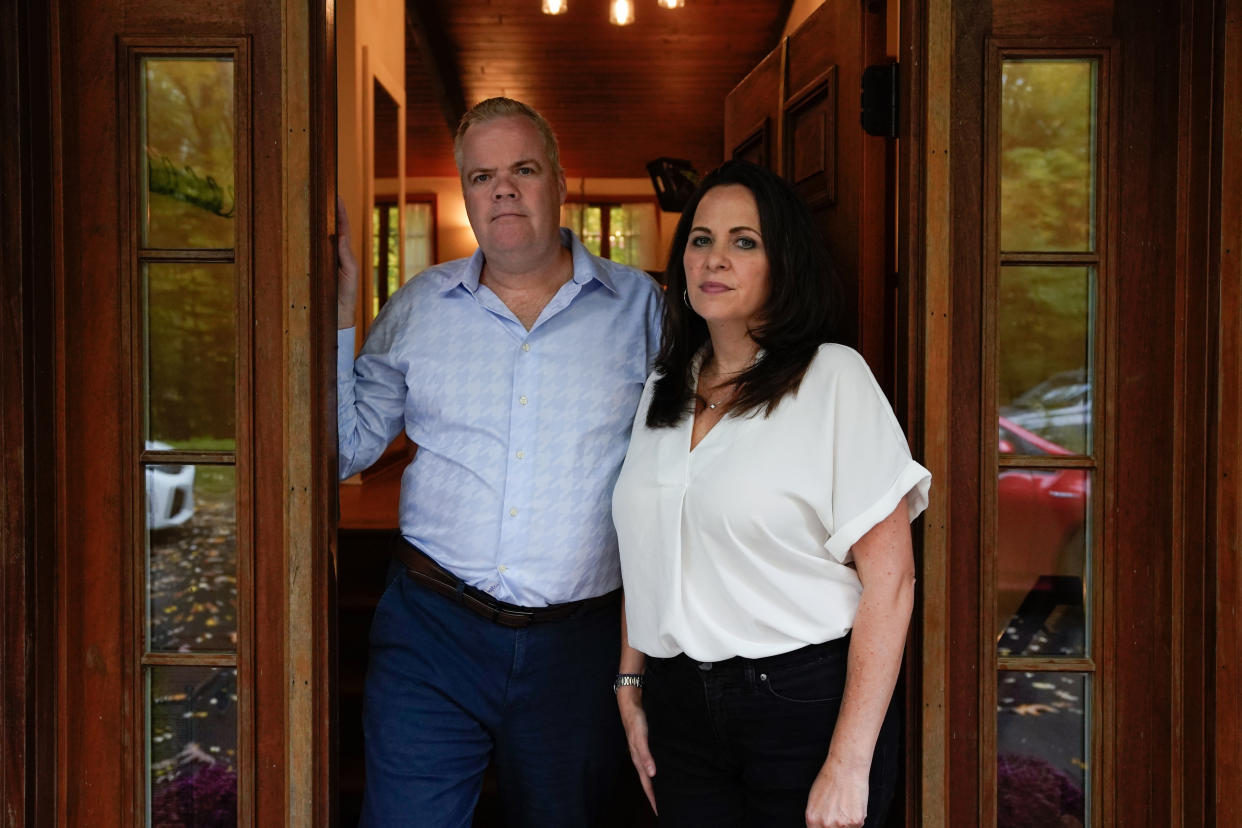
(722, 373)
(721, 400)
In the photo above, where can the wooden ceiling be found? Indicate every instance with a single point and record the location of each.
(617, 97)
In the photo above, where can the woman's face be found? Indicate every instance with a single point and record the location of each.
(725, 259)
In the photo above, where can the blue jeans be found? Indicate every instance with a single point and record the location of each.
(739, 742)
(448, 691)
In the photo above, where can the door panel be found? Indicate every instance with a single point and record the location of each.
(799, 113)
(1065, 317)
(182, 348)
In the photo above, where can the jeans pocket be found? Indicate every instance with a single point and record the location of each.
(821, 681)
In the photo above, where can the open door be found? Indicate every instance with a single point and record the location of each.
(799, 113)
(192, 265)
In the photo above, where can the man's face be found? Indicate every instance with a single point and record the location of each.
(513, 197)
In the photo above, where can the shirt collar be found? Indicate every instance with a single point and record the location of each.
(586, 267)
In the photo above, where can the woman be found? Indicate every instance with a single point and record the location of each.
(763, 516)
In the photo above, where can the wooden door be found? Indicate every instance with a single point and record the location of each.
(189, 220)
(1074, 651)
(799, 114)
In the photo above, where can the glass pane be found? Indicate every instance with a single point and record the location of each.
(393, 265)
(377, 243)
(571, 217)
(1041, 561)
(623, 236)
(1041, 749)
(591, 232)
(187, 129)
(419, 228)
(1047, 154)
(1045, 320)
(192, 746)
(191, 558)
(191, 354)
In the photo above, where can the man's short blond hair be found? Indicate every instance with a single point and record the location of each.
(494, 108)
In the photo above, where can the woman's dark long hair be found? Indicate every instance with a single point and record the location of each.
(804, 302)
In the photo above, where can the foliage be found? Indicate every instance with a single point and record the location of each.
(1042, 325)
(1047, 148)
(192, 346)
(202, 796)
(1047, 179)
(1033, 794)
(186, 185)
(191, 327)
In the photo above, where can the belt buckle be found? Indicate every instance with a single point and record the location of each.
(517, 619)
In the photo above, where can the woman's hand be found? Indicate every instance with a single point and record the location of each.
(838, 799)
(630, 702)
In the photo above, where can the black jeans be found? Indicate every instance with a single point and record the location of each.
(739, 742)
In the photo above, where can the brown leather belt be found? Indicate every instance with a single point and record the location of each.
(423, 570)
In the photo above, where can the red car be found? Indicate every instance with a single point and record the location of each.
(1042, 521)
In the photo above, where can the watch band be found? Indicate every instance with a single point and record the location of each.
(627, 680)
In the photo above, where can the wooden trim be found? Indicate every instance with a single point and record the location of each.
(28, 145)
(627, 198)
(822, 88)
(1012, 259)
(990, 359)
(907, 356)
(928, 32)
(1103, 574)
(149, 254)
(760, 136)
(300, 522)
(1226, 470)
(1190, 723)
(325, 485)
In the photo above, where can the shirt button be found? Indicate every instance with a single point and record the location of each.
(502, 568)
(513, 513)
(521, 455)
(522, 400)
(525, 346)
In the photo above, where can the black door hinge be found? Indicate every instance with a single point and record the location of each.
(879, 100)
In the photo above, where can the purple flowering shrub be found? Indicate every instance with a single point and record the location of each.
(201, 796)
(1033, 794)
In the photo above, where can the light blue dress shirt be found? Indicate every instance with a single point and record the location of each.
(520, 434)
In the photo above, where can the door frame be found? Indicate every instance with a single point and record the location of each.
(29, 102)
(936, 171)
(295, 713)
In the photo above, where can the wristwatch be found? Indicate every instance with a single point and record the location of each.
(627, 680)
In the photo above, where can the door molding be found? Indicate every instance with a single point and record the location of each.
(924, 333)
(29, 99)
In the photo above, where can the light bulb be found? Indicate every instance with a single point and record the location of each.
(555, 6)
(621, 13)
(672, 4)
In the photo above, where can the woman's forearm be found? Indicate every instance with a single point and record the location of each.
(885, 565)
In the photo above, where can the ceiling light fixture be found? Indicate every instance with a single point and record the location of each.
(672, 4)
(621, 13)
(556, 6)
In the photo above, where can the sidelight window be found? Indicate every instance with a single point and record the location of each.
(188, 260)
(1045, 274)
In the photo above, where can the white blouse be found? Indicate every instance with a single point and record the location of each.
(739, 547)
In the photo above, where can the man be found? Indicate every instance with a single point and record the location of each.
(517, 372)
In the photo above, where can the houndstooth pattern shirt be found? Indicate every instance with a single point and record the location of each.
(520, 434)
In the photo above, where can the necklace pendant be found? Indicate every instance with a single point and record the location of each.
(711, 406)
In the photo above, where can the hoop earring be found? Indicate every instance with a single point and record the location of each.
(685, 297)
